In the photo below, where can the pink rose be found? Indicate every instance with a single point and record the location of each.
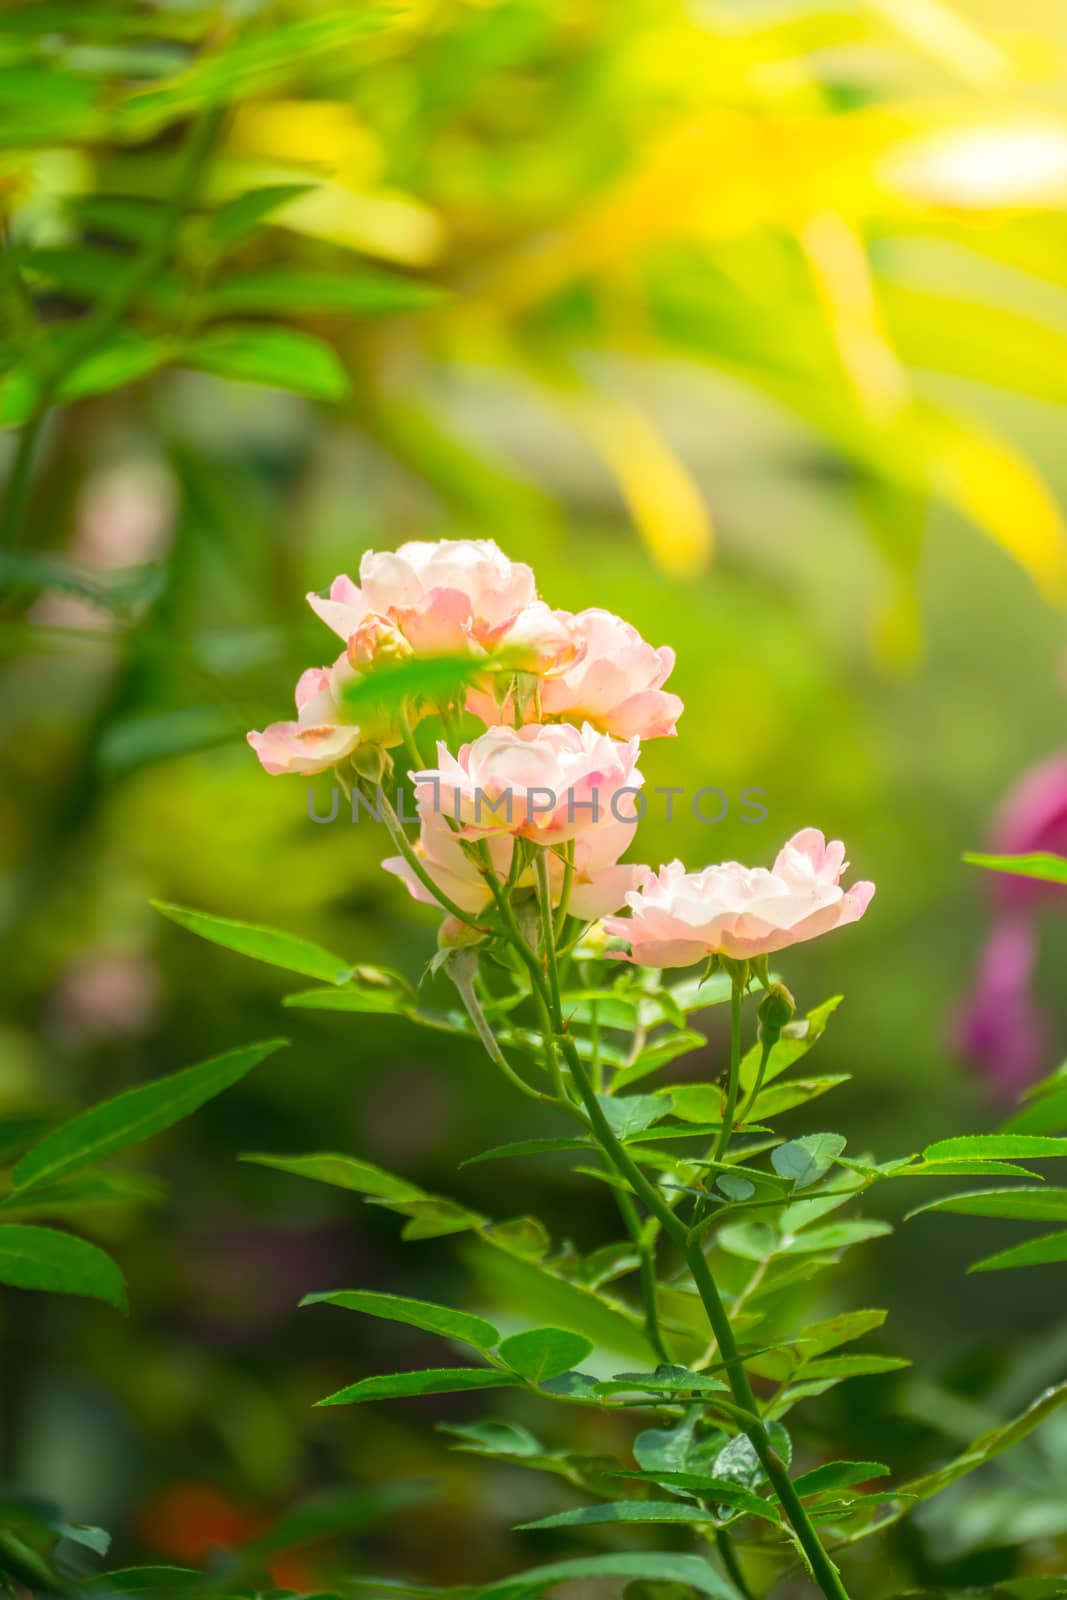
(599, 883)
(453, 597)
(680, 917)
(547, 784)
(323, 733)
(612, 679)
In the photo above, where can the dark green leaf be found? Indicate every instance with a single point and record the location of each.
(623, 1511)
(1024, 1203)
(996, 1147)
(437, 1380)
(262, 944)
(689, 1570)
(136, 1115)
(281, 358)
(807, 1159)
(416, 1313)
(838, 1475)
(41, 1258)
(542, 1353)
(284, 290)
(1049, 1248)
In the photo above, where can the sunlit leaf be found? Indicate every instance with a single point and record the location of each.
(416, 1313)
(262, 944)
(41, 1258)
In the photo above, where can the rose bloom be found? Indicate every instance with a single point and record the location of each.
(678, 917)
(453, 597)
(612, 679)
(547, 784)
(323, 733)
(599, 883)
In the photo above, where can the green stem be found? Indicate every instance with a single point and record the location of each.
(403, 844)
(548, 938)
(725, 1546)
(102, 322)
(464, 982)
(823, 1569)
(737, 994)
(769, 1040)
(647, 1261)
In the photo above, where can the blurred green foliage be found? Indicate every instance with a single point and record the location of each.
(739, 319)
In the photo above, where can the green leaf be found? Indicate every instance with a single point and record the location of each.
(719, 1490)
(667, 1379)
(430, 1216)
(542, 1353)
(963, 1169)
(623, 1511)
(1021, 1202)
(239, 217)
(136, 1115)
(838, 1475)
(261, 944)
(287, 290)
(527, 1147)
(633, 1113)
(808, 1159)
(83, 1191)
(1041, 1252)
(850, 1367)
(1048, 1114)
(41, 1258)
(281, 358)
(632, 1565)
(416, 1313)
(342, 1172)
(436, 1380)
(1042, 864)
(797, 1039)
(738, 1462)
(836, 1236)
(368, 999)
(996, 1147)
(842, 1329)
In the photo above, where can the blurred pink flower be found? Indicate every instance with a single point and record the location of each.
(322, 735)
(612, 679)
(451, 597)
(599, 883)
(547, 784)
(680, 917)
(999, 1025)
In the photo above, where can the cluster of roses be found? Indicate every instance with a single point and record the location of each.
(566, 699)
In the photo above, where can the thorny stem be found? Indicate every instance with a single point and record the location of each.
(822, 1568)
(749, 1419)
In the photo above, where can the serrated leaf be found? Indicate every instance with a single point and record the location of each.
(633, 1113)
(135, 1115)
(542, 1353)
(281, 358)
(653, 1568)
(807, 1159)
(838, 1367)
(834, 1475)
(626, 1511)
(719, 1490)
(996, 1147)
(842, 1329)
(269, 945)
(1041, 1252)
(1046, 1114)
(434, 1380)
(416, 1313)
(1022, 1203)
(342, 1172)
(60, 1263)
(527, 1147)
